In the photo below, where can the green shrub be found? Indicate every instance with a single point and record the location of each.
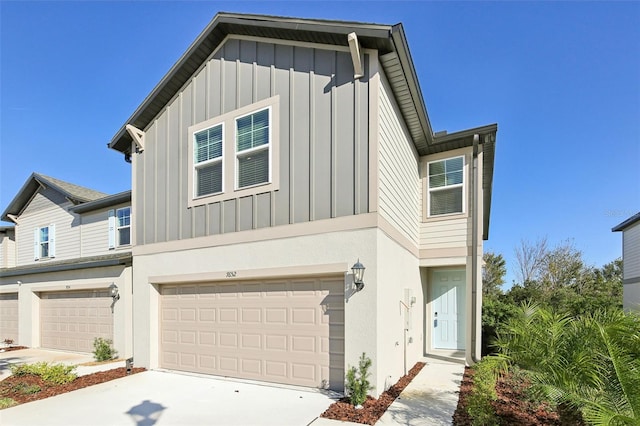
(590, 363)
(479, 405)
(358, 385)
(6, 403)
(53, 373)
(26, 389)
(102, 349)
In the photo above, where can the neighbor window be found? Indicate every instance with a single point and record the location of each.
(252, 148)
(123, 224)
(120, 227)
(207, 147)
(43, 244)
(446, 186)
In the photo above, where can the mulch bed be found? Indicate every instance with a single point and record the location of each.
(13, 386)
(513, 407)
(373, 408)
(13, 348)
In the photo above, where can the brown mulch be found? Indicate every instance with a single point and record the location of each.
(372, 409)
(13, 386)
(13, 348)
(513, 407)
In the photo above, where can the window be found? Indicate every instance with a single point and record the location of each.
(235, 154)
(207, 154)
(120, 227)
(252, 149)
(44, 242)
(445, 185)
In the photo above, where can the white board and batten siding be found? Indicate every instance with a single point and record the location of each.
(631, 251)
(399, 177)
(47, 208)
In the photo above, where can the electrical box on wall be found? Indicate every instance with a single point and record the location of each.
(408, 297)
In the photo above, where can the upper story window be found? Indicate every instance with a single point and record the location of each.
(207, 147)
(119, 227)
(44, 242)
(446, 186)
(235, 154)
(252, 148)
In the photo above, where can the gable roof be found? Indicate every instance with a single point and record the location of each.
(389, 40)
(627, 223)
(75, 193)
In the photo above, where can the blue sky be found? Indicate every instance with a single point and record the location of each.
(561, 79)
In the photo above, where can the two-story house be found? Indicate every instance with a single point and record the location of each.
(68, 251)
(274, 155)
(630, 229)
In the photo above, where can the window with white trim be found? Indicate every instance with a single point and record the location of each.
(252, 149)
(44, 242)
(446, 186)
(119, 227)
(235, 154)
(207, 160)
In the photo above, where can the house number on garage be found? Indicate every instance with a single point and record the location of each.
(231, 274)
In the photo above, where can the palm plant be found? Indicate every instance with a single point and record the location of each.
(590, 362)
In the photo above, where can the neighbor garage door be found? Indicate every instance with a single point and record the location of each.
(71, 320)
(9, 317)
(284, 331)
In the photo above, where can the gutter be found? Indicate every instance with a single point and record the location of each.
(474, 248)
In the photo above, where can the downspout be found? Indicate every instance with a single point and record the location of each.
(474, 247)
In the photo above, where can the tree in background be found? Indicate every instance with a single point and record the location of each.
(493, 272)
(495, 308)
(553, 277)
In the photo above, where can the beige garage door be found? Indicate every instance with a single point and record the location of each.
(283, 331)
(9, 317)
(71, 320)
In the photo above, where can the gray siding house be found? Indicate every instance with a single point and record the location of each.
(68, 246)
(630, 229)
(274, 155)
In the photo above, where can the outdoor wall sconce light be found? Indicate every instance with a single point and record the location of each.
(113, 292)
(358, 274)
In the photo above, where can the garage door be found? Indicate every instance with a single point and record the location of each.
(284, 331)
(9, 317)
(71, 320)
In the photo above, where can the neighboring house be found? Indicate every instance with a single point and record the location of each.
(68, 246)
(274, 155)
(630, 229)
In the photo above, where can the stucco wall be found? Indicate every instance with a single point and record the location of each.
(245, 259)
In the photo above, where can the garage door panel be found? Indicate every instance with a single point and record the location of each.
(72, 320)
(280, 330)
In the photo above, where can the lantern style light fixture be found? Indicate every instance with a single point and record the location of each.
(358, 273)
(113, 292)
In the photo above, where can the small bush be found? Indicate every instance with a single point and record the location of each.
(53, 373)
(479, 405)
(26, 389)
(102, 349)
(358, 385)
(8, 341)
(6, 403)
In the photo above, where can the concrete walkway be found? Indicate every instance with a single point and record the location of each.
(430, 399)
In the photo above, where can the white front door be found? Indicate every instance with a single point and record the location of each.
(448, 309)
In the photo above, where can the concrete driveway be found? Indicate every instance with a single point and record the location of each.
(166, 398)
